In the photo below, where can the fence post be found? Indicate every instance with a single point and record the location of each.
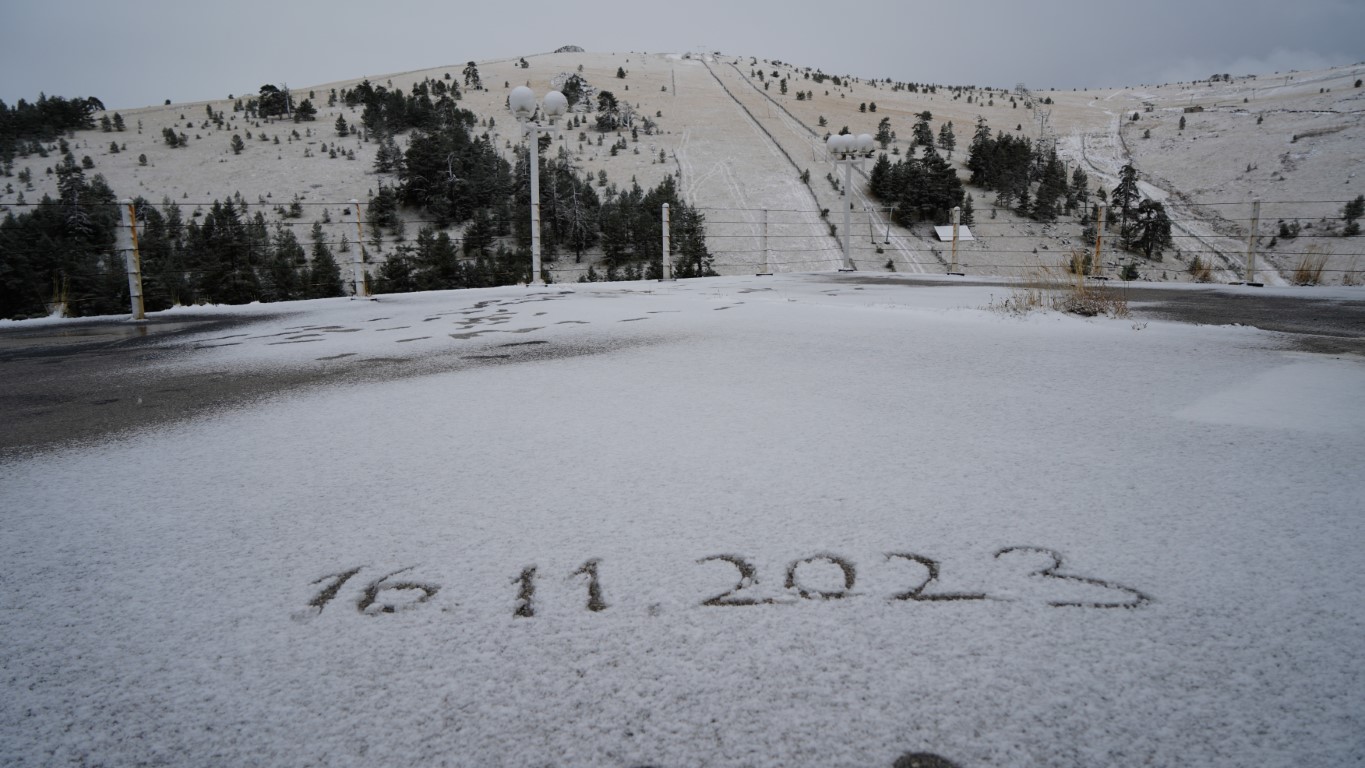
(1099, 240)
(1251, 242)
(359, 265)
(957, 219)
(133, 262)
(767, 267)
(666, 253)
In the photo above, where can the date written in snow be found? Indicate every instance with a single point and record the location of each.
(391, 592)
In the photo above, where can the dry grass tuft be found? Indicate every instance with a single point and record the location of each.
(1311, 264)
(1092, 301)
(1352, 276)
(1057, 288)
(1201, 271)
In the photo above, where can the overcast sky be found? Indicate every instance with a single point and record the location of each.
(133, 53)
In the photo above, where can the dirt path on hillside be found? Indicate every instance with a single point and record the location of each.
(1105, 153)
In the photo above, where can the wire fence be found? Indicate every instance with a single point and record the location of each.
(742, 239)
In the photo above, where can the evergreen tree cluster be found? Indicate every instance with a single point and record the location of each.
(1027, 176)
(456, 177)
(434, 263)
(65, 249)
(447, 171)
(390, 111)
(226, 256)
(45, 120)
(272, 101)
(632, 233)
(919, 188)
(62, 250)
(1143, 224)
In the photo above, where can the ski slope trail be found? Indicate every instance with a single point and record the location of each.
(806, 152)
(733, 172)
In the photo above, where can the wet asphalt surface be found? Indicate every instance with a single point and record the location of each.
(92, 379)
(81, 380)
(1312, 325)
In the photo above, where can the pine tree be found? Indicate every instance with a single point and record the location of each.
(1152, 229)
(947, 140)
(471, 77)
(305, 111)
(1078, 193)
(1126, 194)
(884, 132)
(1051, 188)
(1350, 212)
(880, 181)
(282, 280)
(323, 276)
(923, 136)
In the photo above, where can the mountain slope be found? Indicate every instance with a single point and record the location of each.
(738, 147)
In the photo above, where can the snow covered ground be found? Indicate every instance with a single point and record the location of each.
(794, 520)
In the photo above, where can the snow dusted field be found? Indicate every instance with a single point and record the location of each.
(797, 520)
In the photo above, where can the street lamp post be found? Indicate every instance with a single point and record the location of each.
(847, 150)
(522, 102)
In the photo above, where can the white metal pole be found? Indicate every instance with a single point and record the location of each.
(957, 217)
(1251, 241)
(666, 252)
(133, 260)
(848, 213)
(358, 267)
(535, 204)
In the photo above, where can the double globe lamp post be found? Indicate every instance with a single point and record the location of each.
(522, 102)
(848, 150)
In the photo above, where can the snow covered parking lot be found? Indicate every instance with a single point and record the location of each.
(732, 521)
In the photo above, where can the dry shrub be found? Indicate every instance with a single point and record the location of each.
(1201, 271)
(1352, 276)
(1311, 264)
(1057, 288)
(1092, 300)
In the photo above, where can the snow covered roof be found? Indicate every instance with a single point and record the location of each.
(964, 233)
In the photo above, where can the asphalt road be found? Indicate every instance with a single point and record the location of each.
(90, 379)
(1313, 325)
(79, 381)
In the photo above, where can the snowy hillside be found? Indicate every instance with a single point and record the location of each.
(738, 147)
